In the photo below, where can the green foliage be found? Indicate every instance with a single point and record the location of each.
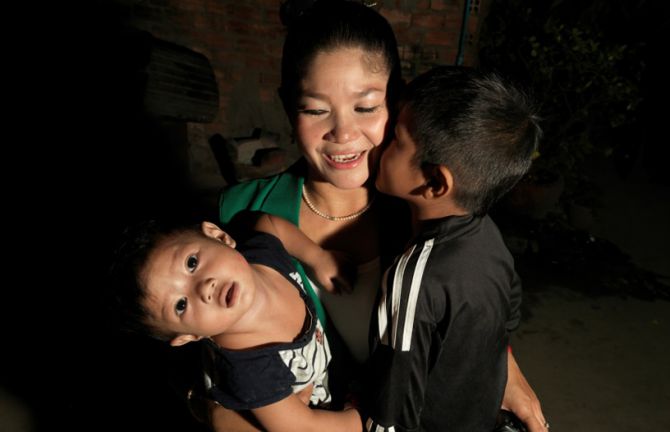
(585, 76)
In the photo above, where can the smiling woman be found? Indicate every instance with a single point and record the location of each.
(340, 79)
(341, 117)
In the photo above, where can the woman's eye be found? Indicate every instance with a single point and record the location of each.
(180, 307)
(312, 112)
(366, 110)
(192, 263)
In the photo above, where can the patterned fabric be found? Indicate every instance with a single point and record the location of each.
(253, 378)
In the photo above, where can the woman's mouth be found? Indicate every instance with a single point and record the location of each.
(344, 160)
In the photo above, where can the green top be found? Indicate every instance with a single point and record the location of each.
(279, 195)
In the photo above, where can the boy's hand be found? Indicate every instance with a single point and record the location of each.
(334, 271)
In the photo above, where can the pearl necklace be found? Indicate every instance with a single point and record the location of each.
(334, 218)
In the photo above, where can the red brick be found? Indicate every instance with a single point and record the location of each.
(440, 37)
(428, 20)
(397, 17)
(439, 4)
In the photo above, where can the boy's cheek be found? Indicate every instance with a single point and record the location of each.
(374, 160)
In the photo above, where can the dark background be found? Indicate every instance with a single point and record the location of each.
(96, 160)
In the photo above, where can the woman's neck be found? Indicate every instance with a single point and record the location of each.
(331, 200)
(357, 236)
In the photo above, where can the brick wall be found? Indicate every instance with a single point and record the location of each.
(243, 41)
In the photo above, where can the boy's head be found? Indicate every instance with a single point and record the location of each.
(461, 134)
(178, 283)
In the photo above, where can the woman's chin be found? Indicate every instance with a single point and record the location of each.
(352, 180)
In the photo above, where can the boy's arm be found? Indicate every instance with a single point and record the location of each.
(330, 269)
(292, 415)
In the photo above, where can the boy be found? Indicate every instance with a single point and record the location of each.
(439, 334)
(247, 305)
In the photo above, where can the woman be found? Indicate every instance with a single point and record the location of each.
(340, 75)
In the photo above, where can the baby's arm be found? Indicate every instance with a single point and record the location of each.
(331, 269)
(292, 415)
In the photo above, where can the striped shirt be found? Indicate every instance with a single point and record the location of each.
(440, 330)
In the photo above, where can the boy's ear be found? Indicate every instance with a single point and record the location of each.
(184, 339)
(439, 181)
(212, 230)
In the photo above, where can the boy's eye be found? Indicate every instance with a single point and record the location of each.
(192, 263)
(180, 307)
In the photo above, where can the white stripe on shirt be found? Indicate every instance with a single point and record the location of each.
(397, 290)
(415, 288)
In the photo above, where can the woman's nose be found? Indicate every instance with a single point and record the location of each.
(344, 129)
(206, 289)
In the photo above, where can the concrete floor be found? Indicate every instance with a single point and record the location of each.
(598, 364)
(601, 363)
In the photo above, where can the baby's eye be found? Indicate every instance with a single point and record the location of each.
(366, 110)
(180, 306)
(192, 263)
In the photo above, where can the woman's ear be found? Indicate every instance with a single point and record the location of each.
(439, 181)
(184, 339)
(212, 230)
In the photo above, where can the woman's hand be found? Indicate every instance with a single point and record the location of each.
(521, 399)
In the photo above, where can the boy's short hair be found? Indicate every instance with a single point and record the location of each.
(128, 289)
(483, 129)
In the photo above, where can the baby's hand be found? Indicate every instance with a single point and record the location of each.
(334, 271)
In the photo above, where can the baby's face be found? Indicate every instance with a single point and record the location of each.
(197, 285)
(399, 175)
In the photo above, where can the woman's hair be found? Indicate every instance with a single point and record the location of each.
(331, 24)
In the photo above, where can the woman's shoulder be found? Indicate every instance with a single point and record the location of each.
(268, 194)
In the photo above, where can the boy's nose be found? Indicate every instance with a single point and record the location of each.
(206, 289)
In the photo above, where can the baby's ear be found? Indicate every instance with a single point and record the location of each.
(212, 230)
(184, 339)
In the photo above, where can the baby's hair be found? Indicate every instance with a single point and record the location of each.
(482, 128)
(128, 287)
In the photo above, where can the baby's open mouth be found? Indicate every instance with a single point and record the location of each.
(229, 295)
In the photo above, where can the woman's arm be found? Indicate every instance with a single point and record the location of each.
(291, 415)
(521, 399)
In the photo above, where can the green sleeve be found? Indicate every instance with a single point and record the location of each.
(279, 195)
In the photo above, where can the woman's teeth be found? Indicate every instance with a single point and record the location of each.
(342, 158)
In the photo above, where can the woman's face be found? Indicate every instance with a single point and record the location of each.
(342, 115)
